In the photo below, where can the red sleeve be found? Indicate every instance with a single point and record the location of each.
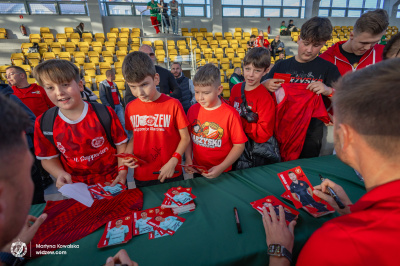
(237, 134)
(117, 131)
(266, 43)
(263, 130)
(233, 94)
(180, 116)
(128, 123)
(46, 98)
(44, 149)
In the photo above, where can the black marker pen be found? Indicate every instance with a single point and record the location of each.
(334, 195)
(239, 228)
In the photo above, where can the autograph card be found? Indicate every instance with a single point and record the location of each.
(168, 224)
(117, 231)
(300, 191)
(198, 168)
(180, 195)
(113, 191)
(128, 156)
(290, 214)
(285, 77)
(140, 219)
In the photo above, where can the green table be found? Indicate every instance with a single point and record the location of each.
(209, 235)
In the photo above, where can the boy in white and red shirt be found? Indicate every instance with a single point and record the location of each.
(82, 152)
(32, 95)
(158, 122)
(215, 128)
(110, 96)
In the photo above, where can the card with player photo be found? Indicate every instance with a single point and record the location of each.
(180, 195)
(116, 232)
(311, 210)
(140, 219)
(131, 156)
(300, 191)
(198, 168)
(98, 194)
(166, 224)
(290, 214)
(113, 191)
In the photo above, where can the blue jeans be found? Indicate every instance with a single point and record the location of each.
(121, 115)
(174, 22)
(165, 23)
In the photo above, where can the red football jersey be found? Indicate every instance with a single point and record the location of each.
(293, 116)
(114, 93)
(35, 98)
(213, 133)
(260, 102)
(156, 135)
(82, 146)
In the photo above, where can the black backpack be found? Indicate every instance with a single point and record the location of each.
(48, 118)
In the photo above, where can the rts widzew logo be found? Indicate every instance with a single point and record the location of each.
(18, 249)
(97, 142)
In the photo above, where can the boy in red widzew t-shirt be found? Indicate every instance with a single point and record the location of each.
(217, 134)
(83, 152)
(32, 95)
(158, 122)
(256, 63)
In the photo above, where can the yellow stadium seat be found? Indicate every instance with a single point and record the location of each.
(94, 57)
(121, 55)
(110, 46)
(104, 66)
(75, 38)
(65, 56)
(97, 46)
(193, 30)
(27, 69)
(3, 72)
(33, 59)
(228, 36)
(98, 79)
(44, 30)
(123, 36)
(125, 30)
(43, 47)
(203, 30)
(90, 69)
(31, 80)
(79, 58)
(135, 35)
(25, 47)
(118, 67)
(184, 30)
(68, 31)
(100, 37)
(34, 38)
(3, 32)
(122, 46)
(70, 47)
(61, 38)
(87, 37)
(108, 57)
(237, 62)
(136, 30)
(56, 48)
(114, 30)
(120, 81)
(218, 36)
(238, 30)
(88, 81)
(48, 38)
(214, 44)
(223, 44)
(111, 37)
(48, 56)
(246, 35)
(83, 47)
(17, 59)
(237, 35)
(158, 44)
(134, 48)
(135, 41)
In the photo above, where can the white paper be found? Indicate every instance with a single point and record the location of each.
(79, 192)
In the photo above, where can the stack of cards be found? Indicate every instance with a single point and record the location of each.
(118, 231)
(300, 191)
(105, 191)
(197, 168)
(290, 214)
(180, 200)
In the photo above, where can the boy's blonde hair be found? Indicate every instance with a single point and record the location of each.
(57, 71)
(208, 75)
(137, 66)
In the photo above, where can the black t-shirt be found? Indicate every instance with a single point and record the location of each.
(250, 43)
(315, 70)
(353, 58)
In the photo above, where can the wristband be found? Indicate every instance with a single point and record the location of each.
(177, 156)
(333, 91)
(122, 168)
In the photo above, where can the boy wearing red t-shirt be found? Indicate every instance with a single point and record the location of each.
(83, 152)
(32, 95)
(217, 134)
(158, 122)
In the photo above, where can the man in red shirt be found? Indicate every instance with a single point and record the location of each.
(368, 140)
(32, 95)
(362, 48)
(110, 96)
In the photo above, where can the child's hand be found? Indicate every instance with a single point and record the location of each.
(319, 88)
(62, 179)
(188, 169)
(167, 171)
(273, 84)
(131, 163)
(121, 178)
(214, 172)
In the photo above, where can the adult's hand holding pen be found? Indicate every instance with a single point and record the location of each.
(322, 192)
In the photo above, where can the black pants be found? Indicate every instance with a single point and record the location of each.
(157, 182)
(313, 142)
(38, 194)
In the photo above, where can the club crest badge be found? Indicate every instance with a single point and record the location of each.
(98, 142)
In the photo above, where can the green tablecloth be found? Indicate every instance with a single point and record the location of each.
(209, 235)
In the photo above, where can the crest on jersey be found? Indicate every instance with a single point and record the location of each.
(98, 142)
(60, 147)
(18, 249)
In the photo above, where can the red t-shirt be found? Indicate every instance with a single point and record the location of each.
(82, 146)
(293, 116)
(368, 236)
(114, 93)
(213, 134)
(35, 98)
(260, 102)
(156, 135)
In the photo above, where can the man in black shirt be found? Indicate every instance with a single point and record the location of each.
(307, 67)
(250, 44)
(167, 85)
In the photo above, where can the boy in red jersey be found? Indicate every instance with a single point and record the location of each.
(32, 95)
(256, 63)
(158, 122)
(83, 152)
(217, 134)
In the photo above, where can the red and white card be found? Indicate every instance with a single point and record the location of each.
(140, 219)
(290, 214)
(285, 77)
(131, 156)
(198, 168)
(300, 191)
(166, 224)
(118, 231)
(180, 195)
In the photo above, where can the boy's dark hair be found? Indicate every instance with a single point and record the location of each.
(56, 70)
(252, 36)
(19, 69)
(207, 75)
(109, 72)
(177, 63)
(316, 30)
(14, 121)
(392, 47)
(373, 22)
(137, 66)
(283, 21)
(291, 20)
(368, 101)
(259, 57)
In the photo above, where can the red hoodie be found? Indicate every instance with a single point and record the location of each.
(34, 97)
(371, 57)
